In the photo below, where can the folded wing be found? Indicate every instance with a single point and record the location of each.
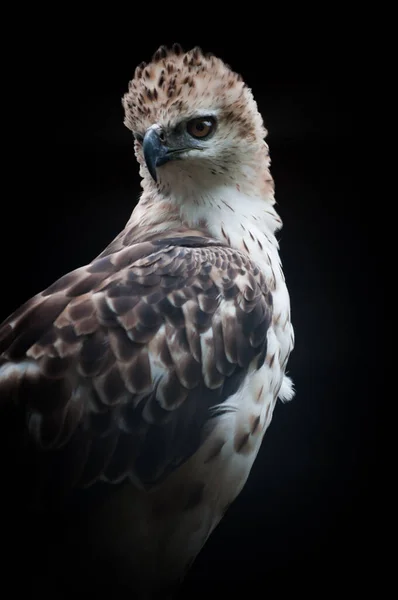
(112, 371)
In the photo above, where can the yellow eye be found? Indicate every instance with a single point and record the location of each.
(201, 127)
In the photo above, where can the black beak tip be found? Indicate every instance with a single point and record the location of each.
(154, 151)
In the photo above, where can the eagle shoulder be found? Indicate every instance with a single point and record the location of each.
(115, 369)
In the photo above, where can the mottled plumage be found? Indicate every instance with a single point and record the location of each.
(158, 364)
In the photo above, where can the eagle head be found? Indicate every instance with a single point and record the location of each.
(193, 120)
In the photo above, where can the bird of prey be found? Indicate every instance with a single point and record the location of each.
(153, 371)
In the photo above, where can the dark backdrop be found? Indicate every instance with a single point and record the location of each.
(305, 520)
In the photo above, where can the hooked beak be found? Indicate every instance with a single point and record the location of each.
(156, 152)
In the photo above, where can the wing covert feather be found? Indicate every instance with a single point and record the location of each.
(115, 366)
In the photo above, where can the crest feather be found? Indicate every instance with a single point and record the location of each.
(176, 81)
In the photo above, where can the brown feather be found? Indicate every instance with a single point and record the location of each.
(121, 338)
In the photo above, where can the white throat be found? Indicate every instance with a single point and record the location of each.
(242, 219)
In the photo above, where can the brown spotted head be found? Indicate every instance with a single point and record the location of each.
(192, 117)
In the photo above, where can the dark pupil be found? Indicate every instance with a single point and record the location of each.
(200, 126)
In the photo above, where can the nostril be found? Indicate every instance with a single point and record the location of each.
(162, 136)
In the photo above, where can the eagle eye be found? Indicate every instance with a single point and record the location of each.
(201, 127)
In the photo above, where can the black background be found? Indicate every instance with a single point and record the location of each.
(305, 521)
